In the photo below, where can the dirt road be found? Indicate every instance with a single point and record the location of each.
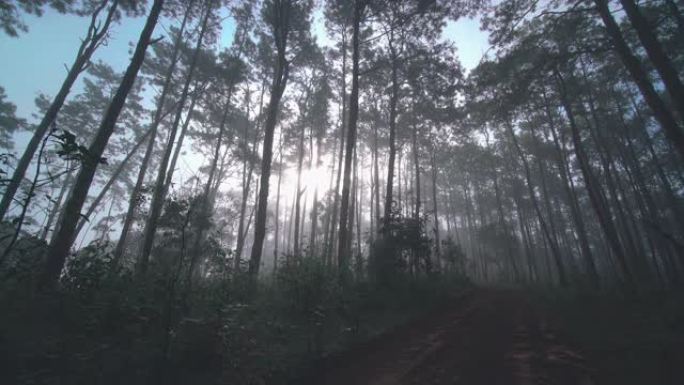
(486, 337)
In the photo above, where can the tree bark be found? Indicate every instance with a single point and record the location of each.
(416, 165)
(358, 196)
(328, 215)
(110, 182)
(90, 43)
(159, 193)
(340, 159)
(433, 164)
(575, 211)
(66, 185)
(660, 111)
(277, 208)
(314, 207)
(376, 178)
(550, 237)
(156, 120)
(181, 136)
(277, 89)
(392, 131)
(343, 251)
(298, 191)
(61, 242)
(595, 196)
(248, 171)
(662, 63)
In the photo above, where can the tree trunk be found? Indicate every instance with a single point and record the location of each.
(159, 114)
(205, 203)
(394, 96)
(289, 228)
(110, 182)
(340, 159)
(159, 193)
(434, 207)
(61, 242)
(376, 178)
(371, 203)
(343, 252)
(277, 89)
(66, 185)
(214, 178)
(328, 215)
(550, 237)
(277, 208)
(247, 172)
(416, 164)
(298, 191)
(503, 224)
(595, 196)
(27, 199)
(469, 223)
(668, 73)
(660, 172)
(526, 239)
(181, 137)
(314, 207)
(546, 197)
(575, 211)
(404, 209)
(358, 196)
(634, 248)
(660, 111)
(96, 33)
(353, 219)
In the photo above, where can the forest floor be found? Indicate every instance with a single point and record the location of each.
(490, 336)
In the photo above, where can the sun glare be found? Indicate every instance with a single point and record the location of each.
(312, 179)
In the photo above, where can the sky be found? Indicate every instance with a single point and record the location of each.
(36, 61)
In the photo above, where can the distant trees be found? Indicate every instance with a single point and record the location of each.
(569, 89)
(661, 112)
(557, 159)
(61, 242)
(344, 228)
(159, 113)
(9, 121)
(288, 22)
(95, 36)
(160, 187)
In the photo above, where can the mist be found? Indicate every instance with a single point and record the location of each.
(341, 191)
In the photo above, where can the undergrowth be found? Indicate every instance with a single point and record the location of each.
(626, 340)
(108, 327)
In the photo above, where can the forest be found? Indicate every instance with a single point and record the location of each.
(326, 192)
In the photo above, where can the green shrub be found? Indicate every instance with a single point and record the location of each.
(104, 326)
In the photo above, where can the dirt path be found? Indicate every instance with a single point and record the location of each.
(486, 337)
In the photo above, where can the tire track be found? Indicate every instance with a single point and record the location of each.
(485, 337)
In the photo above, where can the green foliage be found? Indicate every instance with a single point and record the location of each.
(402, 246)
(11, 12)
(70, 150)
(105, 326)
(9, 122)
(24, 260)
(454, 256)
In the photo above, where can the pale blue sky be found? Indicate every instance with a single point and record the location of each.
(35, 61)
(471, 42)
